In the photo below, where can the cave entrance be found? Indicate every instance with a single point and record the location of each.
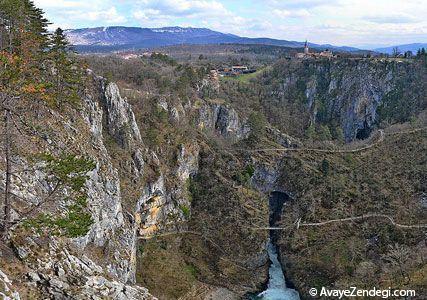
(363, 133)
(276, 201)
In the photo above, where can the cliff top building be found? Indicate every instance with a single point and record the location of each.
(306, 51)
(306, 54)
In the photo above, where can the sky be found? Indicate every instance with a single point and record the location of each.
(362, 23)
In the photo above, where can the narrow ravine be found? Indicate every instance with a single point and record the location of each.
(276, 288)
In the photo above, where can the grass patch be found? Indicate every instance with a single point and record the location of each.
(245, 78)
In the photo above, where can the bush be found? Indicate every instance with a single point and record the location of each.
(185, 210)
(257, 123)
(310, 132)
(244, 176)
(69, 172)
(338, 134)
(324, 133)
(325, 167)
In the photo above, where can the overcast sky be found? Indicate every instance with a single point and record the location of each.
(339, 22)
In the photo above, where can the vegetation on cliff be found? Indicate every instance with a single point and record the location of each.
(36, 72)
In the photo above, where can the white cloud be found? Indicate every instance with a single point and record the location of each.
(322, 21)
(185, 8)
(110, 16)
(211, 14)
(390, 18)
(298, 13)
(295, 4)
(151, 18)
(61, 4)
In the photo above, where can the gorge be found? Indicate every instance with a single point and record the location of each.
(277, 287)
(154, 179)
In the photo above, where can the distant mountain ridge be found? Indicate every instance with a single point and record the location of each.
(402, 48)
(121, 38)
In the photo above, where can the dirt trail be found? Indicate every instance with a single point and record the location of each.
(299, 224)
(375, 143)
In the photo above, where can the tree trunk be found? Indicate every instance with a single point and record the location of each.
(7, 146)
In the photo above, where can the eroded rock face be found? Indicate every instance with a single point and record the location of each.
(354, 94)
(348, 91)
(59, 272)
(119, 116)
(223, 119)
(113, 233)
(103, 187)
(160, 208)
(7, 290)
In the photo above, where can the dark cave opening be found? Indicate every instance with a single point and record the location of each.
(363, 133)
(276, 201)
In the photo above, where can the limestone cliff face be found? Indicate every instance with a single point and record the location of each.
(120, 118)
(102, 264)
(223, 119)
(73, 268)
(111, 229)
(351, 94)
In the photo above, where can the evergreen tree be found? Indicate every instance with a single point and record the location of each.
(325, 167)
(338, 134)
(66, 74)
(310, 132)
(23, 36)
(257, 123)
(34, 70)
(59, 42)
(325, 133)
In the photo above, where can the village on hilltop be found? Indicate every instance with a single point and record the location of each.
(307, 54)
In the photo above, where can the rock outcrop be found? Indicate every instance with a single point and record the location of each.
(7, 290)
(223, 119)
(61, 270)
(354, 95)
(120, 118)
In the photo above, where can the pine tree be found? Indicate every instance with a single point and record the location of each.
(310, 132)
(21, 22)
(27, 55)
(59, 42)
(66, 75)
(23, 35)
(324, 133)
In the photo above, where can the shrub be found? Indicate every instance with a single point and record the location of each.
(257, 123)
(310, 132)
(325, 167)
(324, 133)
(185, 210)
(66, 172)
(244, 176)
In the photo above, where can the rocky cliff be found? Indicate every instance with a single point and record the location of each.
(70, 268)
(172, 197)
(133, 193)
(351, 95)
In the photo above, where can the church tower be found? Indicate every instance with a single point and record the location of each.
(306, 48)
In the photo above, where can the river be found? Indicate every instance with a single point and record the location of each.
(276, 289)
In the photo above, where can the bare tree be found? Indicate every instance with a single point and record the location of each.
(7, 150)
(396, 52)
(398, 257)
